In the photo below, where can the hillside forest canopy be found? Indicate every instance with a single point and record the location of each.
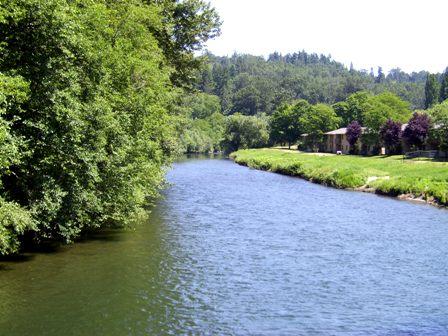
(303, 93)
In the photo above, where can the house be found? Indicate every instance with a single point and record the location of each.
(337, 141)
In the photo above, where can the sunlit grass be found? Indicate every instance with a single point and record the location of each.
(386, 174)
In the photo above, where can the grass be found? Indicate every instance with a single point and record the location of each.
(388, 175)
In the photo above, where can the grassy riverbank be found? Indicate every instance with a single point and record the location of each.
(426, 180)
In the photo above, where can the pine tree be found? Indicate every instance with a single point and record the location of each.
(444, 87)
(431, 90)
(380, 78)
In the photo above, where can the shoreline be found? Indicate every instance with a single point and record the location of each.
(366, 188)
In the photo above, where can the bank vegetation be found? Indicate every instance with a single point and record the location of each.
(389, 175)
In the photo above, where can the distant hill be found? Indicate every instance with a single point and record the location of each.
(252, 84)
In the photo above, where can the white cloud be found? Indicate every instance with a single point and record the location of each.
(388, 33)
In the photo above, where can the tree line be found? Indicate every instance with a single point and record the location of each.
(250, 85)
(280, 96)
(374, 120)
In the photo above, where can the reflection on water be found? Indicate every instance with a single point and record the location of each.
(231, 250)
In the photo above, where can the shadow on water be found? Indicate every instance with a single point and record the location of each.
(106, 235)
(31, 249)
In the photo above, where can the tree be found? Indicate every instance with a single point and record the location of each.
(184, 29)
(431, 91)
(95, 131)
(284, 78)
(381, 108)
(199, 123)
(444, 87)
(439, 133)
(316, 121)
(416, 131)
(342, 111)
(286, 125)
(245, 132)
(390, 134)
(380, 78)
(203, 135)
(247, 100)
(358, 103)
(15, 219)
(354, 131)
(200, 105)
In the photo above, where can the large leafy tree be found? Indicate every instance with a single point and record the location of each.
(95, 126)
(316, 121)
(358, 104)
(286, 124)
(247, 100)
(342, 110)
(439, 133)
(186, 26)
(14, 219)
(199, 105)
(381, 108)
(246, 132)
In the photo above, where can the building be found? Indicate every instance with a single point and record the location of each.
(337, 141)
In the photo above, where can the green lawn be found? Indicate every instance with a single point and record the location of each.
(386, 174)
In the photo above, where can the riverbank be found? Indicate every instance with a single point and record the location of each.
(387, 175)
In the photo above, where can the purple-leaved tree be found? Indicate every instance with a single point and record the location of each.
(354, 132)
(390, 134)
(416, 131)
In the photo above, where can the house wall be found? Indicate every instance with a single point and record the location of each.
(337, 142)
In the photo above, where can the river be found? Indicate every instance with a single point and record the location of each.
(235, 251)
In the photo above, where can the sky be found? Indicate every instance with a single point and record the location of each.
(411, 35)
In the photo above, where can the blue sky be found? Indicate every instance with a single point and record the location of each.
(411, 35)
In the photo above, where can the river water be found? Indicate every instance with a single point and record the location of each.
(235, 251)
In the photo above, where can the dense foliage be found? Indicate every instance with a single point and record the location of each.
(390, 134)
(439, 133)
(316, 121)
(85, 92)
(200, 123)
(303, 122)
(417, 130)
(432, 88)
(444, 87)
(245, 132)
(354, 131)
(250, 84)
(286, 125)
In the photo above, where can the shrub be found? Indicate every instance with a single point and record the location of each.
(390, 134)
(417, 130)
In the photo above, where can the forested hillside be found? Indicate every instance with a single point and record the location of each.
(250, 84)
